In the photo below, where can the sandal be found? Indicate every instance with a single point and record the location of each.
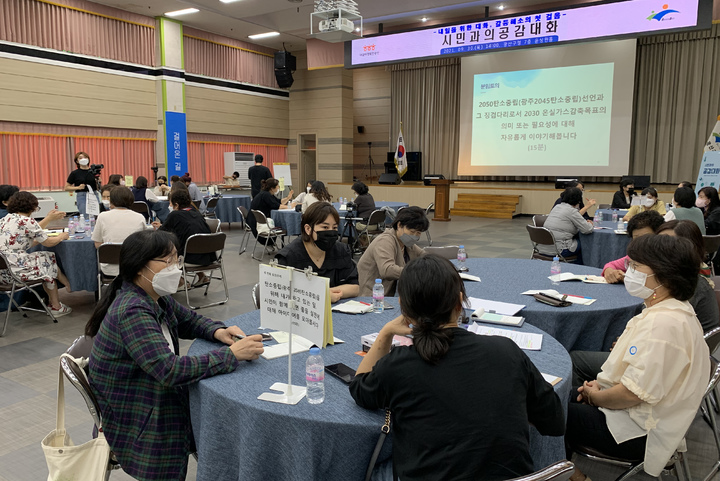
(202, 283)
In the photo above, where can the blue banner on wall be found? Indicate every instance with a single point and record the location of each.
(709, 175)
(176, 143)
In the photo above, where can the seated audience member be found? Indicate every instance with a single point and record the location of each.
(301, 195)
(135, 370)
(623, 197)
(143, 194)
(6, 191)
(388, 253)
(267, 201)
(318, 193)
(19, 232)
(174, 179)
(116, 179)
(684, 208)
(364, 200)
(649, 202)
(564, 221)
(115, 225)
(685, 183)
(641, 224)
(318, 247)
(709, 202)
(648, 391)
(582, 208)
(105, 197)
(184, 221)
(161, 189)
(232, 179)
(423, 384)
(195, 194)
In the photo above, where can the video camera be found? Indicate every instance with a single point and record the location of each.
(351, 206)
(96, 168)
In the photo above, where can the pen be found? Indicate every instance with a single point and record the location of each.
(580, 297)
(365, 303)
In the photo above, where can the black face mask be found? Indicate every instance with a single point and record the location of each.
(326, 239)
(631, 191)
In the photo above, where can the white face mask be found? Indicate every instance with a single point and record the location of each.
(83, 161)
(635, 284)
(649, 202)
(122, 182)
(307, 189)
(106, 203)
(166, 281)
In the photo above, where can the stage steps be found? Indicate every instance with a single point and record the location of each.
(494, 206)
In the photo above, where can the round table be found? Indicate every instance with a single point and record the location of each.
(241, 438)
(226, 208)
(77, 259)
(603, 245)
(577, 327)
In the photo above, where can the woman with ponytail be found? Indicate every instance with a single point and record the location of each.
(461, 404)
(135, 370)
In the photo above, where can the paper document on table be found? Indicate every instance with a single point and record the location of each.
(489, 318)
(551, 379)
(568, 276)
(584, 301)
(353, 307)
(469, 277)
(494, 307)
(524, 340)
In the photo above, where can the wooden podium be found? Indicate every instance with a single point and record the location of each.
(442, 199)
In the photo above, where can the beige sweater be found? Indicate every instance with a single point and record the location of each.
(384, 260)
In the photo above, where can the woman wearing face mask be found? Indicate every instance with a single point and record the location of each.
(301, 196)
(105, 197)
(318, 247)
(649, 389)
(80, 179)
(115, 225)
(684, 208)
(623, 197)
(266, 201)
(389, 252)
(161, 188)
(117, 179)
(709, 202)
(650, 201)
(318, 193)
(135, 369)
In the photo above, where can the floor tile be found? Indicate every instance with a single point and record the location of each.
(29, 352)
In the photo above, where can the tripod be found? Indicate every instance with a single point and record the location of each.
(370, 165)
(350, 230)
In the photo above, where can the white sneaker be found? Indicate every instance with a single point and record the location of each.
(63, 311)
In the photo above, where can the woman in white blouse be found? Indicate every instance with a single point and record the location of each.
(651, 386)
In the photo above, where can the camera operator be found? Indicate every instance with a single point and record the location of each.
(80, 178)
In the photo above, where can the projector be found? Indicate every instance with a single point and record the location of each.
(335, 24)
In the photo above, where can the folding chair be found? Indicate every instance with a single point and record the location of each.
(210, 207)
(74, 366)
(446, 252)
(712, 243)
(375, 221)
(205, 244)
(539, 220)
(18, 285)
(540, 236)
(142, 208)
(271, 234)
(677, 463)
(197, 204)
(107, 253)
(248, 231)
(256, 295)
(427, 214)
(214, 224)
(560, 471)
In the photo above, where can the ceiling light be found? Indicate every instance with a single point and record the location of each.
(228, 1)
(263, 35)
(500, 7)
(185, 11)
(357, 29)
(424, 19)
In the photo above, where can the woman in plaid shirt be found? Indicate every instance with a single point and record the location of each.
(136, 373)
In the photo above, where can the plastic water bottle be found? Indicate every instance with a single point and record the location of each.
(92, 223)
(555, 269)
(315, 377)
(80, 229)
(614, 216)
(71, 226)
(596, 219)
(378, 296)
(461, 257)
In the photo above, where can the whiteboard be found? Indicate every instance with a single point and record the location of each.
(281, 170)
(239, 162)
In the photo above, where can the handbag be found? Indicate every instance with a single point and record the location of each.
(551, 301)
(384, 430)
(65, 461)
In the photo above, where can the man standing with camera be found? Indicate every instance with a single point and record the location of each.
(82, 177)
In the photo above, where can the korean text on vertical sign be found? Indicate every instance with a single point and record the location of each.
(176, 143)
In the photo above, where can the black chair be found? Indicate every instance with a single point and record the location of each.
(375, 225)
(427, 214)
(248, 231)
(213, 224)
(205, 244)
(539, 220)
(18, 285)
(107, 253)
(210, 207)
(197, 204)
(275, 233)
(540, 236)
(560, 471)
(712, 243)
(142, 208)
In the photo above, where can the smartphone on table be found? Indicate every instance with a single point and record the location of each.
(341, 371)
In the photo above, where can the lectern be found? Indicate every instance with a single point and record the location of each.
(442, 199)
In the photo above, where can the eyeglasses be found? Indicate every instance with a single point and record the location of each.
(631, 265)
(169, 261)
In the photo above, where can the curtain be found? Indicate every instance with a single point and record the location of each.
(677, 101)
(425, 97)
(206, 158)
(226, 58)
(81, 27)
(34, 162)
(119, 156)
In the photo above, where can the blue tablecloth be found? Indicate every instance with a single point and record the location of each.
(603, 245)
(241, 438)
(290, 220)
(587, 328)
(77, 259)
(606, 214)
(226, 209)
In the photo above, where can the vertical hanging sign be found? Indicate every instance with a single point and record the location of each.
(176, 143)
